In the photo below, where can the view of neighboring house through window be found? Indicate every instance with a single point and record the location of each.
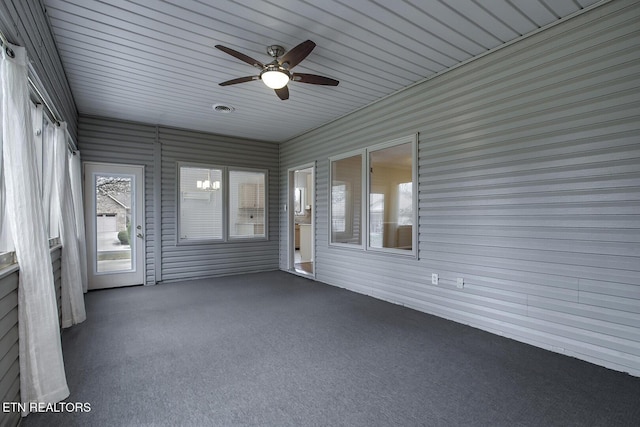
(113, 222)
(346, 200)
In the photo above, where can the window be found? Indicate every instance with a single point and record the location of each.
(200, 203)
(339, 194)
(247, 204)
(220, 203)
(376, 219)
(346, 200)
(390, 198)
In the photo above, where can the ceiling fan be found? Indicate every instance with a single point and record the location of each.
(276, 74)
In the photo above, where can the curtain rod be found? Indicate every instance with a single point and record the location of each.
(41, 98)
(6, 44)
(70, 144)
(32, 85)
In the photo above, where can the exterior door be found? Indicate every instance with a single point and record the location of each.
(114, 218)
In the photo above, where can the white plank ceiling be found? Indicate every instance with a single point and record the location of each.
(154, 61)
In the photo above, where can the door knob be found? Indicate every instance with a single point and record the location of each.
(140, 235)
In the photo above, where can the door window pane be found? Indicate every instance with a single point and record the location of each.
(200, 203)
(247, 204)
(391, 210)
(346, 200)
(114, 240)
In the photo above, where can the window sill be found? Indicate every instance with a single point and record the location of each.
(7, 260)
(404, 253)
(191, 242)
(350, 246)
(239, 239)
(248, 239)
(393, 252)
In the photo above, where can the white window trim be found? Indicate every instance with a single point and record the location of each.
(363, 197)
(202, 241)
(266, 204)
(226, 205)
(366, 184)
(413, 139)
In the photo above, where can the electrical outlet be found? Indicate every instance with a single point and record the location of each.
(434, 279)
(460, 282)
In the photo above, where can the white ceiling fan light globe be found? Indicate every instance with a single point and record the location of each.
(275, 79)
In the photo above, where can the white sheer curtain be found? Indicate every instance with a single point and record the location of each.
(75, 174)
(72, 295)
(50, 201)
(6, 240)
(5, 246)
(42, 376)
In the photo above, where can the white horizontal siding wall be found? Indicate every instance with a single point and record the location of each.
(9, 346)
(529, 188)
(215, 259)
(159, 149)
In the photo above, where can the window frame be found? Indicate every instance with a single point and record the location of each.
(363, 200)
(254, 238)
(180, 241)
(365, 154)
(413, 140)
(226, 205)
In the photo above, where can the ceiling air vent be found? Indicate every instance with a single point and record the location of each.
(220, 108)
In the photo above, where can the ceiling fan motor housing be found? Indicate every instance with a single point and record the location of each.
(274, 66)
(275, 50)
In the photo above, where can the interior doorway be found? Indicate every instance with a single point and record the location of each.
(302, 220)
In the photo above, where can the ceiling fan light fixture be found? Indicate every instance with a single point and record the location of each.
(277, 74)
(275, 79)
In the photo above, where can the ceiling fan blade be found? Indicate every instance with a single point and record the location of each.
(314, 79)
(240, 80)
(297, 54)
(283, 93)
(241, 56)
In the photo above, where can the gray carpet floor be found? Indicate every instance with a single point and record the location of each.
(274, 349)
